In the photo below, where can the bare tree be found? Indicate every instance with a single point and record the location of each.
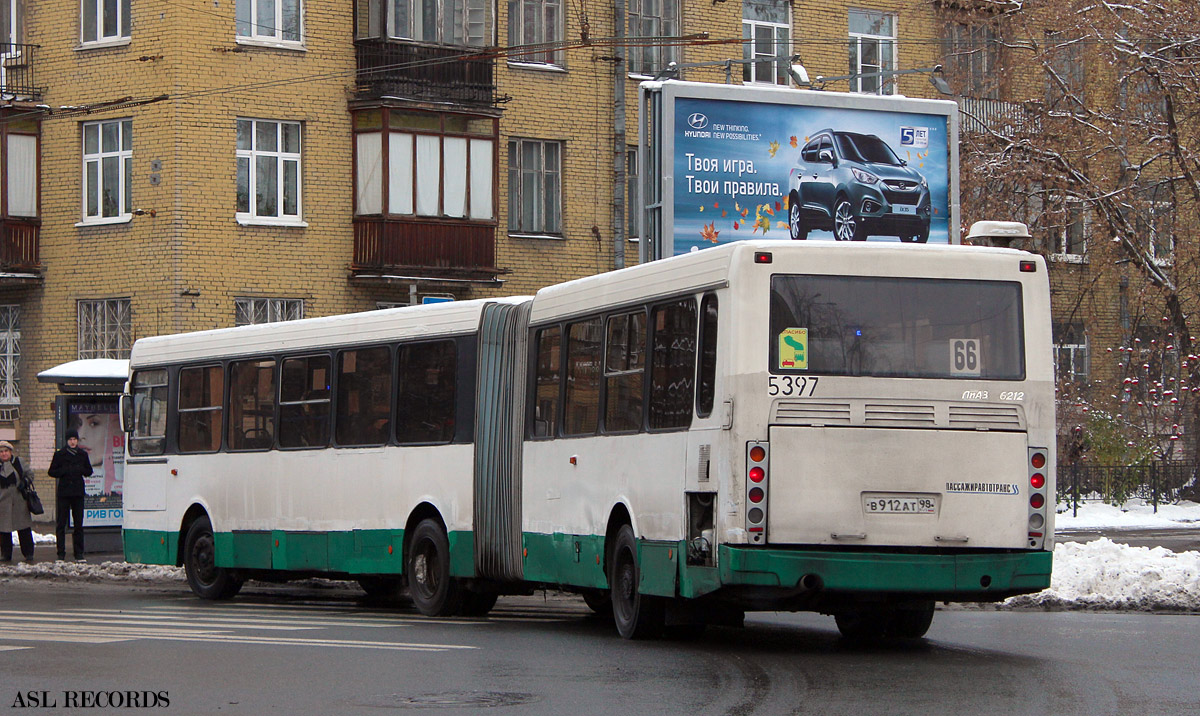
(1095, 140)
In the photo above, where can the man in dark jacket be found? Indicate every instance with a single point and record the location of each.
(69, 466)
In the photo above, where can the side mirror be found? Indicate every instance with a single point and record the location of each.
(127, 412)
(826, 156)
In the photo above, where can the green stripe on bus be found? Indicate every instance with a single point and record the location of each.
(351, 552)
(965, 574)
(150, 546)
(565, 559)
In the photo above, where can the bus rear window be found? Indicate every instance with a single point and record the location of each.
(896, 327)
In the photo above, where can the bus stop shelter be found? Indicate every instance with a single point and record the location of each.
(88, 402)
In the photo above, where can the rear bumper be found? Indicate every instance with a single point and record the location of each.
(977, 576)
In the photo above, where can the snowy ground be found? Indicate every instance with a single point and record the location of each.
(1101, 574)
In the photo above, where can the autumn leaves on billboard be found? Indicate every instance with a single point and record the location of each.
(763, 213)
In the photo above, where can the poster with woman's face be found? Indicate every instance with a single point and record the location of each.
(100, 436)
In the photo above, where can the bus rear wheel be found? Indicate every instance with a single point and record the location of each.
(637, 616)
(207, 580)
(434, 592)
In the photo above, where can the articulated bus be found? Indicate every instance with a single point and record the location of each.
(854, 429)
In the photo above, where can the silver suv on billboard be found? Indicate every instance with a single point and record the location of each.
(855, 186)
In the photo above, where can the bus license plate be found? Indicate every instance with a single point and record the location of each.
(904, 209)
(888, 503)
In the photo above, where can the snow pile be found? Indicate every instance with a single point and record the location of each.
(1133, 514)
(82, 571)
(1103, 574)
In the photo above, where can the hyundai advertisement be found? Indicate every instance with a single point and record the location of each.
(792, 169)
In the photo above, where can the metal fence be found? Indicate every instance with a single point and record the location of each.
(1157, 483)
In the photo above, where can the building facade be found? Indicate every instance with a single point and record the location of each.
(176, 166)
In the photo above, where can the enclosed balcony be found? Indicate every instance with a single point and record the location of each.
(16, 72)
(414, 248)
(395, 69)
(19, 250)
(982, 115)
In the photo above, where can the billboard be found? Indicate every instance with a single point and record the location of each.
(100, 436)
(727, 163)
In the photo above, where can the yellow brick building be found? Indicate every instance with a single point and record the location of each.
(182, 165)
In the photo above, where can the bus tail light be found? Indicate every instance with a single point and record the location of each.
(757, 477)
(1039, 487)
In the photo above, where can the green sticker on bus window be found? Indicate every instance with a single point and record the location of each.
(793, 349)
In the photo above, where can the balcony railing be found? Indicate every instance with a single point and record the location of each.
(434, 249)
(979, 114)
(16, 72)
(19, 251)
(405, 70)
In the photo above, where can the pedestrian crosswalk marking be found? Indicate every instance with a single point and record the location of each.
(96, 626)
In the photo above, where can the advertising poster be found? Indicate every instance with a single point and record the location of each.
(99, 426)
(748, 169)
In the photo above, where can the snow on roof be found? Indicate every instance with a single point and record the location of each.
(89, 370)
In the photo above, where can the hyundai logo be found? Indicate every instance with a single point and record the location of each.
(697, 121)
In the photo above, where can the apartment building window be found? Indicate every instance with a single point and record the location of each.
(535, 22)
(1064, 73)
(10, 354)
(11, 25)
(103, 20)
(872, 51)
(107, 171)
(1070, 352)
(767, 41)
(454, 22)
(105, 328)
(270, 20)
(633, 195)
(1071, 236)
(534, 187)
(250, 311)
(19, 174)
(651, 18)
(1154, 229)
(268, 171)
(972, 56)
(425, 164)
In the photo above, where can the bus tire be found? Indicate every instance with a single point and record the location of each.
(637, 616)
(434, 592)
(911, 621)
(207, 580)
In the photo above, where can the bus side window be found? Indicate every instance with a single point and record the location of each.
(624, 372)
(364, 397)
(304, 402)
(427, 390)
(673, 365)
(251, 405)
(546, 396)
(149, 388)
(706, 375)
(201, 408)
(581, 408)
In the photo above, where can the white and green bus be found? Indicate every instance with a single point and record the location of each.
(855, 429)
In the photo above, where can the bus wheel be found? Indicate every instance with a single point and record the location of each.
(206, 579)
(863, 623)
(478, 604)
(434, 592)
(911, 621)
(637, 616)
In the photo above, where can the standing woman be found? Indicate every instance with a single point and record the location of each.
(69, 466)
(14, 511)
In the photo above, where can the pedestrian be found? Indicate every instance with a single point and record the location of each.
(14, 510)
(69, 466)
